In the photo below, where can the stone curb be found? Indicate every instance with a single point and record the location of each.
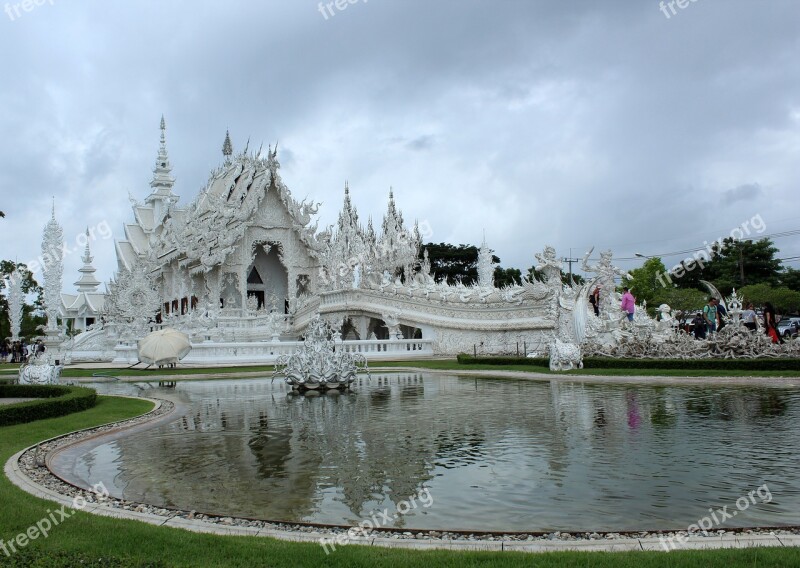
(23, 482)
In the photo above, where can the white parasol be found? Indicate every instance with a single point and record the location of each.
(164, 346)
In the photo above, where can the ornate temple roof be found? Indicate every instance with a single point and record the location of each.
(205, 232)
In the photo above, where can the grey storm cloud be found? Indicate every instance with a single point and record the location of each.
(575, 124)
(743, 192)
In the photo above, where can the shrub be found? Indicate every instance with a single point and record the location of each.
(54, 401)
(465, 359)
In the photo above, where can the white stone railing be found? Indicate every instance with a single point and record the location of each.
(387, 347)
(266, 352)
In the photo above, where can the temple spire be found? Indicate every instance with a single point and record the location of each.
(162, 173)
(485, 265)
(227, 147)
(87, 282)
(161, 198)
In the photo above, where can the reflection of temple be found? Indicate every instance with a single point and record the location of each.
(293, 456)
(569, 455)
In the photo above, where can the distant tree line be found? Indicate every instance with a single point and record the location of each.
(749, 267)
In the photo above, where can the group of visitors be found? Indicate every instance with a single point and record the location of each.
(628, 304)
(710, 320)
(18, 351)
(14, 352)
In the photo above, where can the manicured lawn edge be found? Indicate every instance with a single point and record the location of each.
(55, 400)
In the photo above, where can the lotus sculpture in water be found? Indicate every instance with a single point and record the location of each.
(318, 365)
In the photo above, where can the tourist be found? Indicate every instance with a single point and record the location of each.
(628, 304)
(710, 315)
(699, 325)
(770, 323)
(594, 299)
(749, 318)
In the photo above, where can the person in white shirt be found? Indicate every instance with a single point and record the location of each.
(749, 318)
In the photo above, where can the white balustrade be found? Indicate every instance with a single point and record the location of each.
(266, 352)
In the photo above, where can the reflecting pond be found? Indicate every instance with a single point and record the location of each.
(493, 453)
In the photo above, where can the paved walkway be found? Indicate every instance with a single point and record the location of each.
(15, 400)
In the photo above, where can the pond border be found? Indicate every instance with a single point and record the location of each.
(27, 469)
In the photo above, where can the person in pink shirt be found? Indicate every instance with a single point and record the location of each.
(628, 303)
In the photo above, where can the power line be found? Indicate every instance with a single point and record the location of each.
(777, 235)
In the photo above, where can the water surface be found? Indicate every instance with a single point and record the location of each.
(493, 453)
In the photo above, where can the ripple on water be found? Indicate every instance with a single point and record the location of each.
(494, 454)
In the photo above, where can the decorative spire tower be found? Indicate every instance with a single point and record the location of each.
(87, 282)
(485, 268)
(227, 147)
(15, 303)
(52, 270)
(162, 197)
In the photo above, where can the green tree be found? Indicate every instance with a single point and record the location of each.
(784, 299)
(648, 282)
(682, 299)
(454, 262)
(733, 264)
(507, 276)
(532, 274)
(790, 278)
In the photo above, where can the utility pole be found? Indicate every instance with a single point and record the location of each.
(741, 264)
(569, 260)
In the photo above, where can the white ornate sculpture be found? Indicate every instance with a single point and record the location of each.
(15, 303)
(485, 267)
(133, 300)
(565, 356)
(52, 270)
(39, 371)
(317, 365)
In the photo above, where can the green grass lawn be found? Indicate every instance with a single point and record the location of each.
(89, 540)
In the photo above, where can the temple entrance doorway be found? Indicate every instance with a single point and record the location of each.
(267, 279)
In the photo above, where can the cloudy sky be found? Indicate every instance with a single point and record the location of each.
(572, 123)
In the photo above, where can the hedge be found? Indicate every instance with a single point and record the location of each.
(54, 401)
(765, 364)
(465, 359)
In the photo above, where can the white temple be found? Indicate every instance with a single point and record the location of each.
(243, 270)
